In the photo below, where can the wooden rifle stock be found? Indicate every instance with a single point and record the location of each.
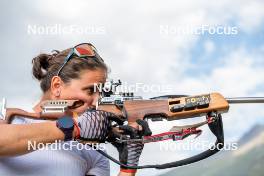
(170, 109)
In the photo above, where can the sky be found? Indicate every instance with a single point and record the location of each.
(169, 43)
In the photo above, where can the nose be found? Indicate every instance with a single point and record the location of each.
(96, 96)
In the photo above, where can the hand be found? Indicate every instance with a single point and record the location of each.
(129, 152)
(94, 125)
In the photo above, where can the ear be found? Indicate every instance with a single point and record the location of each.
(56, 86)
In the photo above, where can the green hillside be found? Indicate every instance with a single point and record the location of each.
(250, 163)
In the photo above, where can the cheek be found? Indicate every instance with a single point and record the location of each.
(87, 104)
(77, 95)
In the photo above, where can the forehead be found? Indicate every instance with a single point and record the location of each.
(89, 77)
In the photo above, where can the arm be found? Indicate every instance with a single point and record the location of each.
(129, 153)
(14, 138)
(126, 174)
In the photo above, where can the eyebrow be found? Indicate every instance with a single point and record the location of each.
(88, 87)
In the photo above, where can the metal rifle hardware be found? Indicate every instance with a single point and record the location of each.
(59, 106)
(173, 107)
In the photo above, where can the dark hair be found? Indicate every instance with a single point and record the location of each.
(45, 66)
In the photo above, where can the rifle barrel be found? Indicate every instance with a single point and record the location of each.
(237, 100)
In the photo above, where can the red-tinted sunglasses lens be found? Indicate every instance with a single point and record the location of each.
(84, 50)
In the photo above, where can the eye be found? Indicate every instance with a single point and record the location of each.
(90, 91)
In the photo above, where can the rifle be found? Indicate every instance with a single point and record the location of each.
(129, 108)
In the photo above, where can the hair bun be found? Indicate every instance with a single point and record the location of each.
(41, 64)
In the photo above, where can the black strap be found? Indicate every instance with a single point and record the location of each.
(217, 129)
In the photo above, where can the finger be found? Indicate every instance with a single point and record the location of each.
(113, 135)
(116, 119)
(129, 131)
(146, 130)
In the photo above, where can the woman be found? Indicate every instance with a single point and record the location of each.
(69, 74)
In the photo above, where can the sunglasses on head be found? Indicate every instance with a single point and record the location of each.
(83, 50)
